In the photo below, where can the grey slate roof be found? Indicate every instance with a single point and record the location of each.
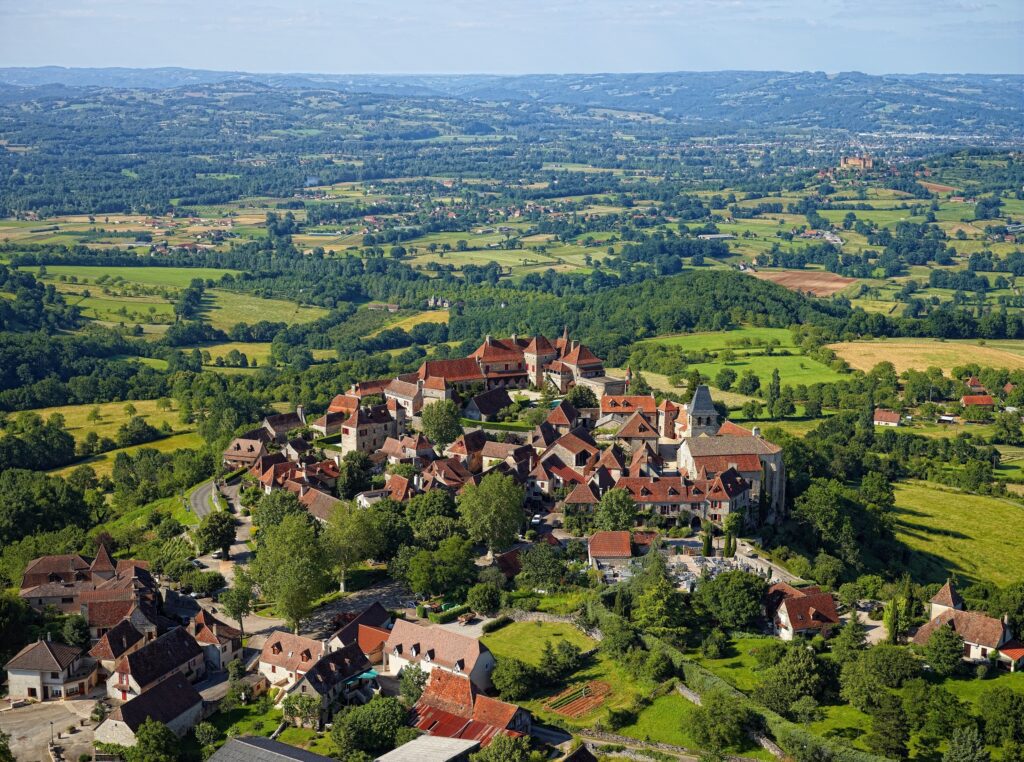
(431, 749)
(163, 702)
(257, 749)
(699, 446)
(702, 404)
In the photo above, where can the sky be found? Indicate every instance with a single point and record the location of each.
(518, 36)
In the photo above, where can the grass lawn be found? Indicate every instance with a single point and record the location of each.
(103, 464)
(738, 668)
(667, 720)
(112, 416)
(307, 738)
(525, 641)
(978, 537)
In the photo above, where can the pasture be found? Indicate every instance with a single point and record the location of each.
(748, 354)
(974, 536)
(103, 464)
(230, 308)
(253, 350)
(112, 416)
(919, 354)
(177, 277)
(411, 321)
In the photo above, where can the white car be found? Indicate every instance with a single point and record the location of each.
(536, 519)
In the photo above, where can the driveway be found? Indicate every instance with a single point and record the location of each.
(874, 631)
(30, 727)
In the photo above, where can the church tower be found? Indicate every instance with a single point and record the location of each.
(701, 416)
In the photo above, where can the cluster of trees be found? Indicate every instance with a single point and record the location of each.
(35, 306)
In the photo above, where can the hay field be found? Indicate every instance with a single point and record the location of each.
(919, 354)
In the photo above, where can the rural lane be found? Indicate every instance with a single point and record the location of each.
(200, 499)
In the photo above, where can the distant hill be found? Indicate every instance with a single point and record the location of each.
(937, 104)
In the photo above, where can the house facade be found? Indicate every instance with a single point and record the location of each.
(433, 648)
(45, 670)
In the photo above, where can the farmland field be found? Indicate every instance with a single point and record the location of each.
(178, 277)
(103, 464)
(794, 368)
(919, 354)
(411, 321)
(817, 282)
(976, 537)
(260, 351)
(112, 416)
(715, 340)
(230, 308)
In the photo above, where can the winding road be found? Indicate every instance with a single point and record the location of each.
(200, 499)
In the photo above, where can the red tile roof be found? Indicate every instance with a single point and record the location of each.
(730, 429)
(582, 494)
(343, 403)
(973, 626)
(446, 648)
(886, 416)
(498, 350)
(637, 427)
(580, 355)
(610, 545)
(291, 652)
(655, 489)
(465, 369)
(1013, 649)
(371, 639)
(563, 414)
(977, 400)
(948, 596)
(628, 403)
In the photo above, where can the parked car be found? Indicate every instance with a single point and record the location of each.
(536, 519)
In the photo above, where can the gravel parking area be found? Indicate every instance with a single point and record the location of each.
(29, 728)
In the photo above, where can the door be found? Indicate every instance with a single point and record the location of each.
(81, 688)
(46, 692)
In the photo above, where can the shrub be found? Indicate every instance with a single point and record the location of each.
(496, 624)
(443, 617)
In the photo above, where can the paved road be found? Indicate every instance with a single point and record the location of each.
(200, 499)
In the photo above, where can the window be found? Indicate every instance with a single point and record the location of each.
(32, 693)
(53, 675)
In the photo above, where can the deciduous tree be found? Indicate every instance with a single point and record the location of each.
(493, 510)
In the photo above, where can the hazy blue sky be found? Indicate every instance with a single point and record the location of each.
(517, 36)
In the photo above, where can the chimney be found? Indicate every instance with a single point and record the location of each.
(515, 338)
(301, 412)
(756, 431)
(487, 340)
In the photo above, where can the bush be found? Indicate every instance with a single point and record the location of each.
(443, 617)
(496, 624)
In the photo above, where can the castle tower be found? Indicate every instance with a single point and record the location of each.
(701, 416)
